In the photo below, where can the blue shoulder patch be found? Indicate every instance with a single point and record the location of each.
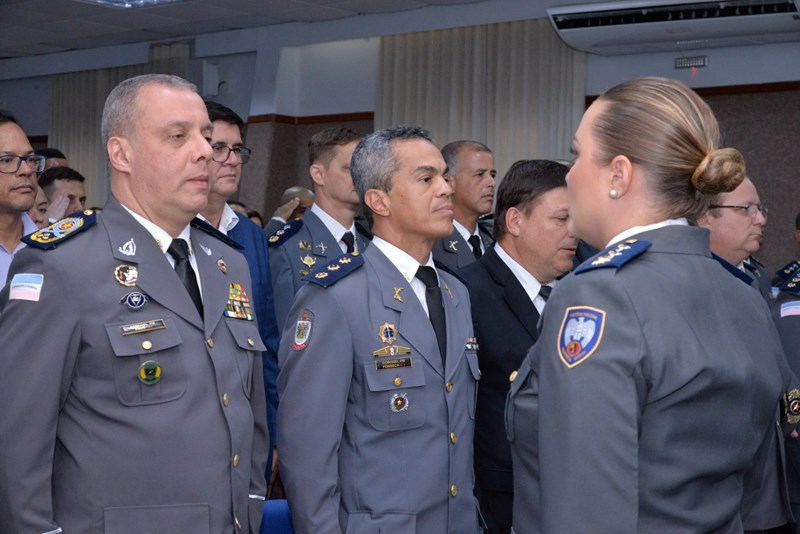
(787, 270)
(285, 232)
(329, 274)
(50, 237)
(616, 255)
(792, 283)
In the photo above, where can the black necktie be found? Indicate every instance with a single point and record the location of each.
(544, 292)
(475, 243)
(433, 298)
(179, 250)
(349, 241)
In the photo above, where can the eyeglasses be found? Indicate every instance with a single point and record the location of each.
(223, 152)
(749, 209)
(9, 166)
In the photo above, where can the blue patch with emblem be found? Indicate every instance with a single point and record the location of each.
(285, 232)
(616, 255)
(580, 334)
(50, 237)
(329, 274)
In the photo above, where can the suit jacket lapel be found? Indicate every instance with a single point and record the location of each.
(414, 325)
(156, 277)
(456, 335)
(323, 245)
(514, 294)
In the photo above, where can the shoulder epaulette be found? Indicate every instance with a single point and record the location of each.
(285, 232)
(50, 237)
(200, 224)
(792, 283)
(329, 274)
(443, 267)
(616, 255)
(785, 272)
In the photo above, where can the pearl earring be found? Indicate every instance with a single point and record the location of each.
(613, 193)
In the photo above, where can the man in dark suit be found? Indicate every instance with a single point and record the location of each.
(470, 167)
(327, 229)
(508, 288)
(224, 173)
(137, 398)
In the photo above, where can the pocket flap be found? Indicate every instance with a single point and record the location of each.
(474, 366)
(394, 378)
(143, 337)
(245, 334)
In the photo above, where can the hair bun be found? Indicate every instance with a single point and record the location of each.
(721, 171)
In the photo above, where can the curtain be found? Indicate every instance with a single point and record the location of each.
(514, 86)
(76, 107)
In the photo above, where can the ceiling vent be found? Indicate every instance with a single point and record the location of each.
(638, 27)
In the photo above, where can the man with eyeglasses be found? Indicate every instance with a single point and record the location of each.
(736, 221)
(224, 173)
(18, 168)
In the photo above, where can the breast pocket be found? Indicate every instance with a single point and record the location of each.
(395, 397)
(148, 364)
(247, 338)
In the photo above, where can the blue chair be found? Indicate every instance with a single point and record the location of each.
(277, 518)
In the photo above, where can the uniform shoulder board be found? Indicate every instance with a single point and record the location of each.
(792, 283)
(50, 237)
(200, 224)
(785, 272)
(285, 232)
(616, 255)
(329, 274)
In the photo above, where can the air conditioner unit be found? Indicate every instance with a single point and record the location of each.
(635, 27)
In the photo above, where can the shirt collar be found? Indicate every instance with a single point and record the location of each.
(463, 230)
(406, 264)
(228, 220)
(646, 228)
(162, 237)
(528, 282)
(333, 226)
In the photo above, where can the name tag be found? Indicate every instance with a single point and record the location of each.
(392, 364)
(144, 326)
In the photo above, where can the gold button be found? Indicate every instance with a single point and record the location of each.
(236, 521)
(147, 345)
(453, 490)
(235, 460)
(448, 386)
(452, 437)
(398, 381)
(210, 342)
(512, 376)
(225, 399)
(251, 342)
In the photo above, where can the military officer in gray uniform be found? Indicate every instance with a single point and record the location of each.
(137, 399)
(327, 229)
(378, 404)
(648, 396)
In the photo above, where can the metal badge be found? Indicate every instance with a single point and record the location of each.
(388, 333)
(399, 402)
(144, 326)
(149, 372)
(129, 248)
(134, 301)
(127, 275)
(222, 266)
(397, 295)
(322, 247)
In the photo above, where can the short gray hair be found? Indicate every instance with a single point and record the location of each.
(374, 161)
(119, 111)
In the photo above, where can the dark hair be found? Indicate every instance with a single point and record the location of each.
(253, 213)
(374, 161)
(450, 152)
(521, 187)
(50, 153)
(671, 132)
(49, 176)
(5, 117)
(219, 112)
(322, 144)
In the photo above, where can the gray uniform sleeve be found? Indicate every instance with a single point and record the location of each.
(589, 418)
(314, 385)
(40, 343)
